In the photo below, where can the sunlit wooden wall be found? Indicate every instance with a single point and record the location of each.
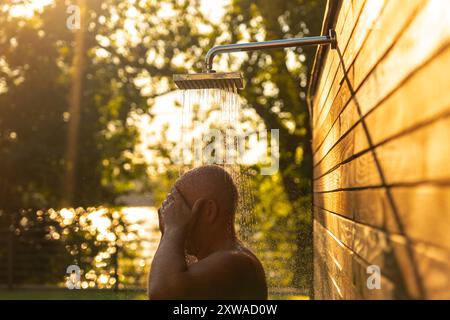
(381, 143)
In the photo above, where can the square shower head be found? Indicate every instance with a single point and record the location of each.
(231, 80)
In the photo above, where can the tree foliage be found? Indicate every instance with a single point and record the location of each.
(132, 50)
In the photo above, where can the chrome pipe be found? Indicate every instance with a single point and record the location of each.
(274, 44)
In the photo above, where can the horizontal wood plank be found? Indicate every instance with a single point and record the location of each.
(381, 121)
(346, 55)
(411, 159)
(388, 74)
(348, 271)
(398, 114)
(408, 264)
(331, 62)
(332, 68)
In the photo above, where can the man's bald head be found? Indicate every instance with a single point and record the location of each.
(209, 182)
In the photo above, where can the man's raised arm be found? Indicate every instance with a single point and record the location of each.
(169, 262)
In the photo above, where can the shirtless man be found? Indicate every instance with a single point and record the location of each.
(197, 219)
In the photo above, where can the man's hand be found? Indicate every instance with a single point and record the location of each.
(175, 213)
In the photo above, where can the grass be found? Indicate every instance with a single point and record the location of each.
(71, 295)
(95, 295)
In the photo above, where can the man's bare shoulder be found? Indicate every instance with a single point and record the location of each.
(240, 269)
(242, 258)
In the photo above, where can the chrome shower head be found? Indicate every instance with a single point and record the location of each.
(212, 80)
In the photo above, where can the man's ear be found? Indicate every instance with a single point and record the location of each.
(212, 211)
(198, 206)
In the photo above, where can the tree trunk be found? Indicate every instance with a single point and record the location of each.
(75, 101)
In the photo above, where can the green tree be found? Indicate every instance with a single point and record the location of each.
(36, 63)
(35, 79)
(131, 51)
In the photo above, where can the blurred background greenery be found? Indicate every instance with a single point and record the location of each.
(85, 124)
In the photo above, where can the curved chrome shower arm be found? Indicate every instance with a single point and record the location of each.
(330, 39)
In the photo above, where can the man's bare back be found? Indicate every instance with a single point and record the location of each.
(197, 219)
(231, 274)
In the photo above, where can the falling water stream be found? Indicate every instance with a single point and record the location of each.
(211, 124)
(212, 131)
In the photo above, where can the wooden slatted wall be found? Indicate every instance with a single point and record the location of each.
(381, 143)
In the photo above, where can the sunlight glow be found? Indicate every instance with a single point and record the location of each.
(28, 9)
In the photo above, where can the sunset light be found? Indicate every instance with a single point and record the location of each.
(27, 8)
(224, 150)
